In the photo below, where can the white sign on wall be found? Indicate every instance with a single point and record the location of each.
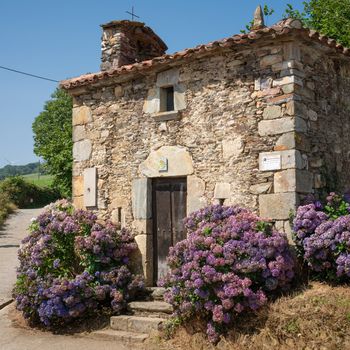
(90, 195)
(163, 165)
(270, 162)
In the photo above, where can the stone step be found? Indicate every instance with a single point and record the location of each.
(136, 324)
(154, 308)
(156, 293)
(121, 336)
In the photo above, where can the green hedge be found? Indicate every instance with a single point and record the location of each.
(26, 195)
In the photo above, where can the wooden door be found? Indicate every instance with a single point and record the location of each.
(169, 210)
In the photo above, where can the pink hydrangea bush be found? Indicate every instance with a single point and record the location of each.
(322, 235)
(72, 267)
(230, 263)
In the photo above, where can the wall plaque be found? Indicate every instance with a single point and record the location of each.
(270, 162)
(163, 165)
(90, 193)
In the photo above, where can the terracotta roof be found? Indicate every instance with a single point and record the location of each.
(281, 28)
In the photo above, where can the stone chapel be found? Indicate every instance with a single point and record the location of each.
(259, 119)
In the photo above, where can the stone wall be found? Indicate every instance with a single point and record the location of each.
(247, 129)
(325, 106)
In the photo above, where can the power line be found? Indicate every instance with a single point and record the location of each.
(30, 75)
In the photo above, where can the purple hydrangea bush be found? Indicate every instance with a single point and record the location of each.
(72, 267)
(322, 236)
(230, 262)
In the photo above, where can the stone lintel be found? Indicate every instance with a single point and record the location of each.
(179, 162)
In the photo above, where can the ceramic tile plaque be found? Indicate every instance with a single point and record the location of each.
(163, 165)
(270, 162)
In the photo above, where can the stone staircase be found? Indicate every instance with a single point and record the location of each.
(142, 318)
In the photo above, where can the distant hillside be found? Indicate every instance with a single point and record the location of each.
(12, 170)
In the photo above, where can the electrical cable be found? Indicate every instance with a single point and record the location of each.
(28, 74)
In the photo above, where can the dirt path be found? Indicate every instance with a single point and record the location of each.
(11, 234)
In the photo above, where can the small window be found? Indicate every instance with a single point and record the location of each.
(167, 99)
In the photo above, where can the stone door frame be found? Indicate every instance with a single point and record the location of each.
(179, 164)
(172, 184)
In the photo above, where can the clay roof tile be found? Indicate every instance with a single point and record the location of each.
(281, 28)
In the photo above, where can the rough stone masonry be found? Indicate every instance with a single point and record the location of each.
(258, 119)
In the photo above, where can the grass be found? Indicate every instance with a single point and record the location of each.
(41, 181)
(316, 317)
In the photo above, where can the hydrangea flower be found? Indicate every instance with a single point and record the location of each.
(71, 267)
(228, 264)
(322, 235)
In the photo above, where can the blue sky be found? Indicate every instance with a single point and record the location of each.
(61, 39)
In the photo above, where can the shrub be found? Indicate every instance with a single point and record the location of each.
(24, 194)
(230, 263)
(6, 207)
(322, 235)
(73, 267)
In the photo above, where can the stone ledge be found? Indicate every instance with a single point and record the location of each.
(166, 116)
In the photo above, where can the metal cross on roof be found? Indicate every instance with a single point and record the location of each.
(132, 13)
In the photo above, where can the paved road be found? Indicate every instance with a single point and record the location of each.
(11, 234)
(15, 337)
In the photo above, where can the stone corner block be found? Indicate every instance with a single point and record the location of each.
(78, 185)
(81, 115)
(78, 133)
(277, 206)
(285, 181)
(276, 126)
(82, 150)
(272, 112)
(290, 180)
(78, 202)
(222, 190)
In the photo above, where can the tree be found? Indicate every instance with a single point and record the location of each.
(329, 17)
(53, 139)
